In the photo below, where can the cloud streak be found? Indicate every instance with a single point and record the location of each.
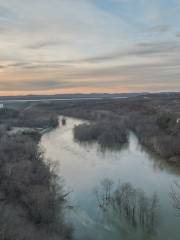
(160, 28)
(89, 45)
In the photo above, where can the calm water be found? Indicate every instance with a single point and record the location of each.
(83, 167)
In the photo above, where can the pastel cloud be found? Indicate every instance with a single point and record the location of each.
(89, 45)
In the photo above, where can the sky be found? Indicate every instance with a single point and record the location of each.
(84, 46)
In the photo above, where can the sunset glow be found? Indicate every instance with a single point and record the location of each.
(84, 46)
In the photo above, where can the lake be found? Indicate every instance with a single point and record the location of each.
(84, 166)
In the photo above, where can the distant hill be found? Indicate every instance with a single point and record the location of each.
(70, 96)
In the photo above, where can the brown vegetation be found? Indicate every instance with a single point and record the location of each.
(31, 202)
(31, 117)
(159, 132)
(154, 118)
(106, 133)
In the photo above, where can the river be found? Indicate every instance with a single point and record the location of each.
(84, 166)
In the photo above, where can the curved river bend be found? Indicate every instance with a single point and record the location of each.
(83, 167)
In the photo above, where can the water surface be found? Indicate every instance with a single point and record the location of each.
(83, 167)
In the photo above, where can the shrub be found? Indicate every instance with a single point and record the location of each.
(106, 133)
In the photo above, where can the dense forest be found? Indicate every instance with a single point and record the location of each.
(32, 200)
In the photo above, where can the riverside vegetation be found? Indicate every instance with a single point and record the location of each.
(32, 203)
(129, 204)
(109, 134)
(155, 118)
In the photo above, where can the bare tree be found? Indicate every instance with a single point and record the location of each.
(175, 197)
(129, 203)
(103, 193)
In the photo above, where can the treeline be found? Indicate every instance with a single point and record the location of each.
(31, 202)
(31, 118)
(110, 134)
(159, 132)
(155, 120)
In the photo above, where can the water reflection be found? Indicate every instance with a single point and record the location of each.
(129, 204)
(83, 166)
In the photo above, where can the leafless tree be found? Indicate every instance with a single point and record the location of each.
(129, 203)
(175, 196)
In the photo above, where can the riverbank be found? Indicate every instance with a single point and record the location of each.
(85, 166)
(155, 121)
(31, 202)
(31, 117)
